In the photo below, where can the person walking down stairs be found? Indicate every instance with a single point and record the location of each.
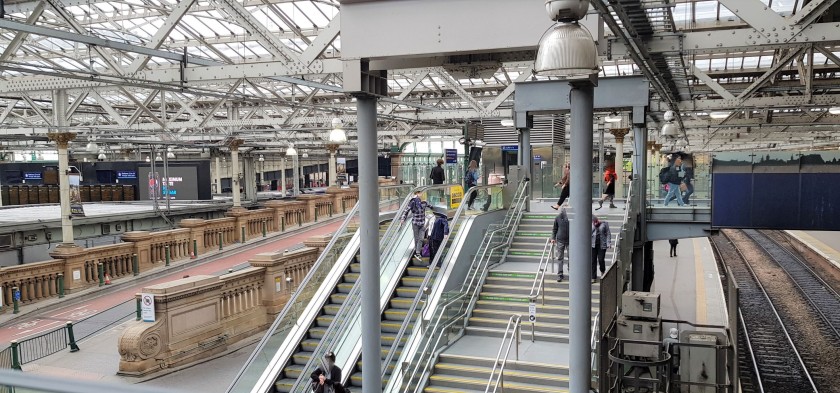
(560, 239)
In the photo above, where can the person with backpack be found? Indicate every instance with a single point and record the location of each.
(687, 182)
(609, 193)
(673, 179)
(438, 176)
(560, 239)
(327, 377)
(417, 208)
(439, 231)
(471, 180)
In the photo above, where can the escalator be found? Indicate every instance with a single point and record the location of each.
(301, 357)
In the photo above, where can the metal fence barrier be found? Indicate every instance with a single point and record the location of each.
(37, 347)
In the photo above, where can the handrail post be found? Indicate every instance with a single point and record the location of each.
(135, 264)
(71, 338)
(220, 241)
(168, 256)
(195, 248)
(263, 228)
(15, 355)
(138, 311)
(101, 271)
(60, 279)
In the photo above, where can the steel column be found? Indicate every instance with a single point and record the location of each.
(601, 164)
(580, 250)
(283, 176)
(369, 225)
(59, 111)
(641, 154)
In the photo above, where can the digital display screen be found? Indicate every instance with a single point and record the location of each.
(181, 184)
(126, 174)
(32, 175)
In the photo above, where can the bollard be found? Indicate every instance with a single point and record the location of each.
(71, 338)
(220, 241)
(15, 300)
(60, 278)
(264, 229)
(15, 355)
(139, 307)
(283, 223)
(101, 270)
(135, 264)
(331, 210)
(343, 206)
(316, 214)
(168, 256)
(243, 236)
(195, 248)
(300, 218)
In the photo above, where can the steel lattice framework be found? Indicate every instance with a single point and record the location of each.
(197, 72)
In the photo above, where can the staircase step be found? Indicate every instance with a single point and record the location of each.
(398, 314)
(511, 364)
(351, 277)
(501, 324)
(417, 271)
(284, 385)
(511, 375)
(356, 267)
(512, 275)
(394, 326)
(401, 303)
(526, 334)
(412, 281)
(554, 316)
(554, 300)
(317, 332)
(463, 383)
(309, 344)
(344, 287)
(293, 371)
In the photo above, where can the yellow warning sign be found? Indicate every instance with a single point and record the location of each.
(456, 195)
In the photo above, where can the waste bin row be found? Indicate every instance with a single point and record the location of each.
(40, 194)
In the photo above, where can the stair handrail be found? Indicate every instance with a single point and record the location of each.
(427, 279)
(292, 306)
(343, 318)
(596, 327)
(464, 300)
(538, 286)
(514, 327)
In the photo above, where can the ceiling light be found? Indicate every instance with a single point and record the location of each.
(92, 147)
(567, 50)
(170, 155)
(148, 159)
(507, 123)
(719, 115)
(613, 118)
(261, 159)
(101, 155)
(305, 155)
(670, 130)
(291, 151)
(835, 110)
(337, 135)
(158, 158)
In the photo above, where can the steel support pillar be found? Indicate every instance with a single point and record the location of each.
(250, 177)
(217, 176)
(234, 173)
(283, 175)
(601, 164)
(369, 225)
(641, 154)
(580, 255)
(332, 168)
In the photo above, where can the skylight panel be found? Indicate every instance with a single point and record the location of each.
(705, 10)
(312, 12)
(751, 61)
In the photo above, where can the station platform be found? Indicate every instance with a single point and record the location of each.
(689, 284)
(824, 243)
(100, 316)
(21, 216)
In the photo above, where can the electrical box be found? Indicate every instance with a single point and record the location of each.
(640, 305)
(699, 363)
(640, 330)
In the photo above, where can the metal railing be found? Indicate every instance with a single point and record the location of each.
(538, 287)
(6, 359)
(342, 322)
(431, 274)
(514, 327)
(37, 347)
(13, 381)
(262, 357)
(593, 342)
(455, 307)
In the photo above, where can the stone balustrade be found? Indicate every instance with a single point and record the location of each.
(35, 281)
(80, 266)
(200, 316)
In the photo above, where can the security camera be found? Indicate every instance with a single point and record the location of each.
(566, 10)
(670, 116)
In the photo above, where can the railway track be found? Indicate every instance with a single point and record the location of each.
(771, 358)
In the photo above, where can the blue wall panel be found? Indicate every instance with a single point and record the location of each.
(731, 198)
(806, 201)
(775, 200)
(820, 204)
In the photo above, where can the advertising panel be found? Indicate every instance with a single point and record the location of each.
(76, 209)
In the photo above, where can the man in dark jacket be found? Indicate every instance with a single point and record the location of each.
(560, 239)
(327, 381)
(439, 230)
(674, 180)
(438, 176)
(601, 237)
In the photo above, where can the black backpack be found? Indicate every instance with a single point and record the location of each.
(663, 175)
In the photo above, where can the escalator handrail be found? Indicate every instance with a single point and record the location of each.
(352, 300)
(428, 277)
(290, 303)
(467, 288)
